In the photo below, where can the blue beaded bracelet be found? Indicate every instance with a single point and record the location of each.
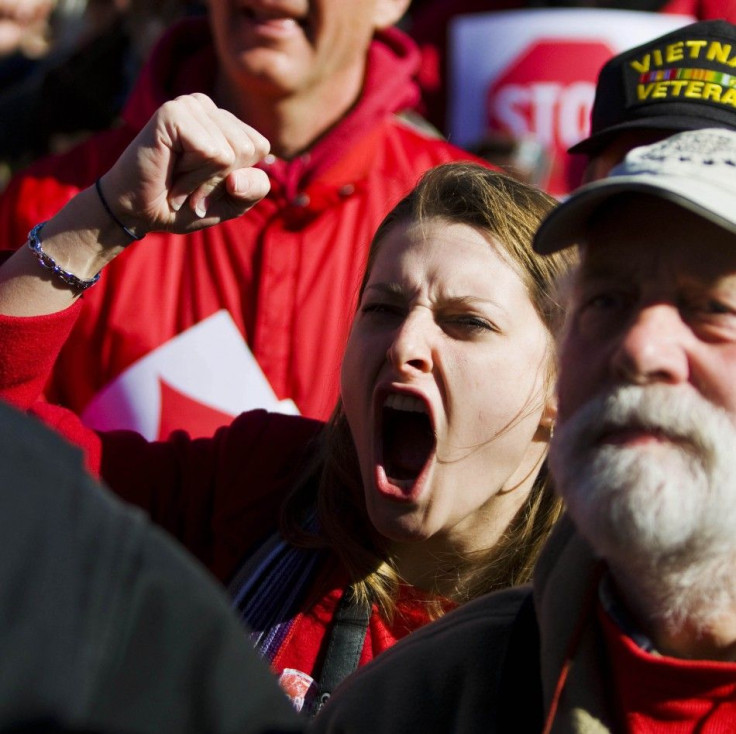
(48, 263)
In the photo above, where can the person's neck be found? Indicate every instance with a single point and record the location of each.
(688, 613)
(440, 563)
(292, 123)
(435, 570)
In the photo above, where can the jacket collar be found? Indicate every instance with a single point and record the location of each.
(566, 582)
(183, 61)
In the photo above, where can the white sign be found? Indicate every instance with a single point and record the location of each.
(532, 73)
(209, 369)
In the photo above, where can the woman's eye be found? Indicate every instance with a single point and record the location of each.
(469, 324)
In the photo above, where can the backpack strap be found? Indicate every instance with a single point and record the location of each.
(345, 644)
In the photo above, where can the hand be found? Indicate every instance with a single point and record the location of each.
(25, 11)
(189, 168)
(20, 21)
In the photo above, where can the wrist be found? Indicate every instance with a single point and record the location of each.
(129, 232)
(82, 238)
(75, 284)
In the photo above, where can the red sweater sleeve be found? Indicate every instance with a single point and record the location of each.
(30, 348)
(217, 495)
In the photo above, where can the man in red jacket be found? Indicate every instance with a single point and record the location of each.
(326, 81)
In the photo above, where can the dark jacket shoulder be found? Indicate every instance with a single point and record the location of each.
(108, 625)
(448, 676)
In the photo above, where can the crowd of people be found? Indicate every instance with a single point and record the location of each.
(429, 329)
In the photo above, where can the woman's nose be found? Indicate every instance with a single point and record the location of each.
(410, 349)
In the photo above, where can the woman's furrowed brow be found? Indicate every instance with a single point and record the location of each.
(397, 290)
(391, 288)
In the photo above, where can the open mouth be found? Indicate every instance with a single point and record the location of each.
(407, 439)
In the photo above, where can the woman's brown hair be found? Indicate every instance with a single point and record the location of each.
(510, 212)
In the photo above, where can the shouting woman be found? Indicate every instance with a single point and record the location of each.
(425, 489)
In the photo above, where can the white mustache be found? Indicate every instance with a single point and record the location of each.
(675, 413)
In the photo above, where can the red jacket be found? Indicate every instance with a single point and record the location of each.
(286, 272)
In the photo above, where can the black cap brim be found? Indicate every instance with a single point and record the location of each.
(595, 143)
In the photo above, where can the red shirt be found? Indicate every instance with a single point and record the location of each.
(304, 648)
(657, 694)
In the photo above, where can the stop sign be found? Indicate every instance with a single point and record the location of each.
(547, 92)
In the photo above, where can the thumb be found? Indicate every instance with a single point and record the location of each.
(248, 184)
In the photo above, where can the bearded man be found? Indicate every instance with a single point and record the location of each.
(631, 624)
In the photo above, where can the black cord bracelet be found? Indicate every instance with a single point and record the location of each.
(48, 263)
(130, 234)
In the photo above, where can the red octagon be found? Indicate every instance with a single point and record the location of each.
(547, 92)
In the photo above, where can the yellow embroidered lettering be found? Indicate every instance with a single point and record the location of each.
(695, 48)
(643, 65)
(673, 52)
(677, 86)
(694, 90)
(643, 91)
(712, 91)
(660, 90)
(729, 97)
(718, 51)
(657, 53)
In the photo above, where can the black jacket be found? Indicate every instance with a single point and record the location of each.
(438, 679)
(105, 624)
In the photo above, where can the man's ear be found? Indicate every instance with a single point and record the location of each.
(389, 12)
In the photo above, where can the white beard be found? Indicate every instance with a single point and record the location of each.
(665, 512)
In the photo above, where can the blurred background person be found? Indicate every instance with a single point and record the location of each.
(72, 71)
(24, 27)
(204, 326)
